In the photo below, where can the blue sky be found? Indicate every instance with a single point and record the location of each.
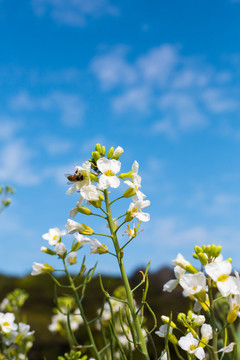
(160, 79)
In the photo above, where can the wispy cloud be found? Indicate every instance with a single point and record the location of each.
(72, 12)
(15, 161)
(69, 106)
(182, 92)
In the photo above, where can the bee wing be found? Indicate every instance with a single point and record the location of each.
(68, 182)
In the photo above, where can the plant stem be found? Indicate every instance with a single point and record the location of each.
(89, 331)
(135, 317)
(212, 320)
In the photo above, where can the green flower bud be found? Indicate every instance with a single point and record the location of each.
(195, 256)
(47, 250)
(165, 320)
(197, 249)
(93, 177)
(84, 210)
(191, 269)
(97, 204)
(129, 192)
(181, 318)
(98, 148)
(129, 216)
(126, 175)
(95, 155)
(218, 252)
(86, 230)
(172, 338)
(110, 152)
(203, 258)
(103, 151)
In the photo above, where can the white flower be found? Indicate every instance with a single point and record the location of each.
(227, 349)
(220, 272)
(60, 249)
(72, 258)
(193, 283)
(117, 152)
(98, 248)
(136, 183)
(191, 345)
(7, 322)
(41, 268)
(81, 170)
(180, 261)
(162, 331)
(54, 236)
(135, 209)
(198, 319)
(206, 331)
(73, 226)
(164, 356)
(90, 193)
(108, 169)
(24, 330)
(172, 284)
(81, 239)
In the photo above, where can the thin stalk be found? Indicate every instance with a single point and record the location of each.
(212, 321)
(135, 317)
(89, 331)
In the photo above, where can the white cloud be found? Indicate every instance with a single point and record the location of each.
(158, 64)
(70, 106)
(8, 127)
(134, 99)
(73, 12)
(217, 102)
(112, 69)
(183, 93)
(15, 164)
(178, 235)
(54, 145)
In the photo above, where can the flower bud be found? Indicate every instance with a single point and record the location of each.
(190, 268)
(181, 318)
(93, 177)
(84, 210)
(203, 258)
(95, 155)
(232, 316)
(172, 338)
(197, 249)
(86, 230)
(47, 250)
(165, 320)
(127, 175)
(97, 204)
(201, 296)
(98, 148)
(110, 152)
(129, 216)
(117, 153)
(103, 151)
(129, 192)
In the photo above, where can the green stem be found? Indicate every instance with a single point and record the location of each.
(135, 317)
(212, 320)
(89, 331)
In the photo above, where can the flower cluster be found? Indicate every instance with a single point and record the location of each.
(216, 278)
(92, 179)
(16, 337)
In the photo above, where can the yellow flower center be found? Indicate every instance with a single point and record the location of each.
(223, 277)
(109, 173)
(55, 237)
(192, 347)
(6, 323)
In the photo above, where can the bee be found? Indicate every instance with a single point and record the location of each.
(75, 177)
